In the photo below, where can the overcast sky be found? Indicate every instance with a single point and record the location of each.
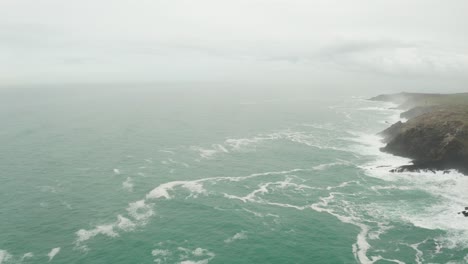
(417, 43)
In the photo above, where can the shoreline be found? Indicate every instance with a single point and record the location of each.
(434, 135)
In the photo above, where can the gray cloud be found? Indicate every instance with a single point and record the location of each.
(180, 40)
(393, 57)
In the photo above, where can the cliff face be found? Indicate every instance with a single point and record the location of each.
(435, 137)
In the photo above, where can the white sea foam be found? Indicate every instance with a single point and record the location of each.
(116, 171)
(332, 164)
(84, 235)
(257, 214)
(128, 184)
(237, 144)
(26, 256)
(419, 254)
(263, 188)
(260, 174)
(449, 189)
(250, 143)
(53, 253)
(288, 183)
(370, 145)
(247, 144)
(125, 224)
(162, 191)
(341, 185)
(162, 255)
(201, 252)
(366, 144)
(197, 253)
(349, 216)
(204, 261)
(285, 205)
(160, 252)
(378, 188)
(208, 153)
(140, 211)
(4, 256)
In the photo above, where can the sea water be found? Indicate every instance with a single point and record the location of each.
(174, 176)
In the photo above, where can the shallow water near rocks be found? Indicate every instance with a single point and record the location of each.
(160, 177)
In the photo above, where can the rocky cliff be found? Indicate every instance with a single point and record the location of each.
(436, 134)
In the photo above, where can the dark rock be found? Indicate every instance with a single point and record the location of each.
(436, 135)
(391, 132)
(435, 140)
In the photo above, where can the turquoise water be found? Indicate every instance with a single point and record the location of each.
(175, 176)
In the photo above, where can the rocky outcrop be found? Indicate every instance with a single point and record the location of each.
(390, 133)
(435, 137)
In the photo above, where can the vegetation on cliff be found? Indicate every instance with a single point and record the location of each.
(436, 134)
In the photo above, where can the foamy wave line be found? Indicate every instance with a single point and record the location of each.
(141, 211)
(257, 214)
(448, 188)
(208, 153)
(265, 188)
(183, 256)
(361, 246)
(247, 144)
(53, 252)
(4, 256)
(238, 236)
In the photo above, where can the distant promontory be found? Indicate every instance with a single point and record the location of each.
(435, 136)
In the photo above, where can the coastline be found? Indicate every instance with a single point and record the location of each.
(435, 135)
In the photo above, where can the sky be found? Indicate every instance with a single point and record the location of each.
(375, 44)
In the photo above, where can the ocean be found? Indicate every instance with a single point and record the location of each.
(161, 175)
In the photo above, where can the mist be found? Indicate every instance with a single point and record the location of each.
(336, 46)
